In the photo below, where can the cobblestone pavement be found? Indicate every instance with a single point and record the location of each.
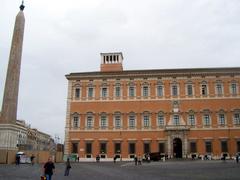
(169, 170)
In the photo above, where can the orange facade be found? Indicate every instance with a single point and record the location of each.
(177, 112)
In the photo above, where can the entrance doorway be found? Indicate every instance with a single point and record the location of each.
(177, 148)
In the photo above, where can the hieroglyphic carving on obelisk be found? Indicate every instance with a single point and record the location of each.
(10, 98)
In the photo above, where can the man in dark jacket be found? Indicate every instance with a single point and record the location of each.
(49, 168)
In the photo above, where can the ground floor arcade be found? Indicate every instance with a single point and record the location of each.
(178, 143)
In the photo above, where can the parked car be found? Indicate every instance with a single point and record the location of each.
(156, 156)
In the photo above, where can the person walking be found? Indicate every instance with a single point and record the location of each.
(49, 168)
(135, 160)
(67, 168)
(139, 160)
(115, 158)
(17, 159)
(237, 158)
(32, 159)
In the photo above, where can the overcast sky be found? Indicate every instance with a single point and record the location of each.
(64, 36)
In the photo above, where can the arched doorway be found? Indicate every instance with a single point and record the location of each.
(177, 148)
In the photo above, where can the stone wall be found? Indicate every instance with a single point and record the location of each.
(9, 156)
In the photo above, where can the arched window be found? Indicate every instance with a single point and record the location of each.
(221, 118)
(75, 120)
(117, 120)
(76, 91)
(160, 89)
(132, 120)
(131, 89)
(233, 88)
(89, 120)
(176, 119)
(206, 118)
(236, 117)
(160, 119)
(90, 90)
(146, 120)
(204, 88)
(219, 88)
(191, 118)
(145, 89)
(175, 89)
(117, 90)
(103, 121)
(189, 88)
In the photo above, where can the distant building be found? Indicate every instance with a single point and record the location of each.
(177, 112)
(32, 139)
(26, 138)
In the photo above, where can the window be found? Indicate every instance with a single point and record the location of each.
(131, 91)
(160, 91)
(89, 122)
(206, 120)
(161, 147)
(146, 121)
(132, 148)
(74, 147)
(238, 146)
(174, 90)
(104, 92)
(191, 119)
(146, 148)
(88, 148)
(193, 147)
(132, 121)
(117, 91)
(219, 89)
(176, 120)
(103, 122)
(77, 92)
(208, 146)
(160, 120)
(204, 89)
(117, 118)
(236, 118)
(221, 119)
(234, 89)
(75, 121)
(189, 90)
(90, 92)
(145, 91)
(103, 148)
(117, 148)
(224, 146)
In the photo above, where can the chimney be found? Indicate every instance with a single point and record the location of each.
(111, 62)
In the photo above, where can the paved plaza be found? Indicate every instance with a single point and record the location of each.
(169, 170)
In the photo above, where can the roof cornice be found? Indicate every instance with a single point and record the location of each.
(157, 72)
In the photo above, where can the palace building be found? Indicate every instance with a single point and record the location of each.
(177, 112)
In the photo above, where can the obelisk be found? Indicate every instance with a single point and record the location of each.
(10, 97)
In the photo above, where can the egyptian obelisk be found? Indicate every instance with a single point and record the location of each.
(10, 97)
